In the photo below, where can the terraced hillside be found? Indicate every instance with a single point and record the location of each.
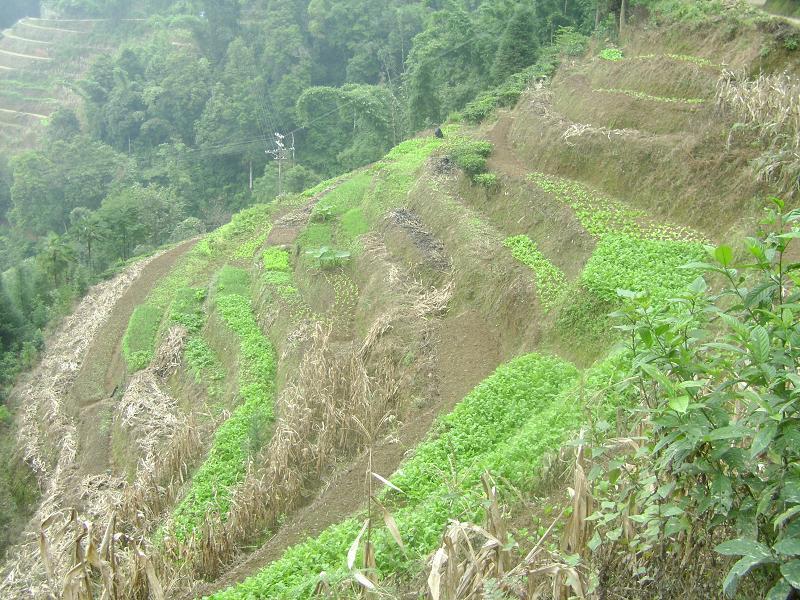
(377, 344)
(40, 59)
(32, 73)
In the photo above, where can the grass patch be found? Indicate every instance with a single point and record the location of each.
(395, 175)
(550, 280)
(345, 197)
(138, 343)
(231, 280)
(353, 223)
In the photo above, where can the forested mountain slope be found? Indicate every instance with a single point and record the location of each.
(405, 378)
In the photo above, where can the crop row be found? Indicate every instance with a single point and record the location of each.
(601, 215)
(550, 280)
(236, 438)
(642, 96)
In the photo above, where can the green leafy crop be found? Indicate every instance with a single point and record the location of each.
(550, 280)
(630, 263)
(275, 259)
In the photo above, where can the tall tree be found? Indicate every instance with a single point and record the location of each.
(518, 46)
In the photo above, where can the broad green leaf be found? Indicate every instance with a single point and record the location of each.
(679, 404)
(724, 255)
(743, 547)
(759, 344)
(791, 571)
(788, 546)
(728, 433)
(739, 570)
(763, 438)
(672, 511)
(779, 591)
(785, 516)
(595, 542)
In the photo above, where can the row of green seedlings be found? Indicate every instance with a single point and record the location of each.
(613, 54)
(279, 276)
(241, 435)
(148, 323)
(491, 429)
(550, 280)
(643, 96)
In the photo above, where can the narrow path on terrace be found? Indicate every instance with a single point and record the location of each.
(103, 370)
(19, 112)
(29, 56)
(468, 352)
(24, 39)
(42, 27)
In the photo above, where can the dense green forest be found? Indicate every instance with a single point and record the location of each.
(171, 137)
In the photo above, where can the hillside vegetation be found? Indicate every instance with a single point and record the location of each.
(549, 350)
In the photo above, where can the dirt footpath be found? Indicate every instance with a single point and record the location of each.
(103, 370)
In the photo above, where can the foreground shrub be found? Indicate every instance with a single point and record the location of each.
(717, 376)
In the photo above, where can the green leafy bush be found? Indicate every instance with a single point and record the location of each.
(470, 155)
(488, 180)
(550, 280)
(716, 373)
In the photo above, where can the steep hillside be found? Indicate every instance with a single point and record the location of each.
(305, 400)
